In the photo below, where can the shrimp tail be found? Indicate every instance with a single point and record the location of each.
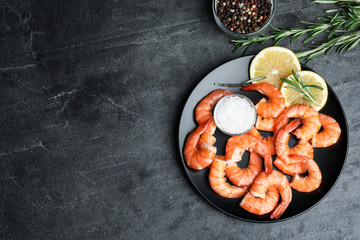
(252, 87)
(279, 210)
(208, 124)
(268, 165)
(280, 122)
(293, 125)
(205, 126)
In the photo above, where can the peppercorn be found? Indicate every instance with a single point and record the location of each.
(243, 16)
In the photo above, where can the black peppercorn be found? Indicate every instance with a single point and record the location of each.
(243, 16)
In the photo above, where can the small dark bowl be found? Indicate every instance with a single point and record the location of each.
(241, 35)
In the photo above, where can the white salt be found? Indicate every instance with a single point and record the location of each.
(234, 114)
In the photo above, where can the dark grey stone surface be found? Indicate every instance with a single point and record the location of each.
(91, 96)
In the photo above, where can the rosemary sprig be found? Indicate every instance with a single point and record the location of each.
(296, 84)
(341, 25)
(345, 41)
(279, 34)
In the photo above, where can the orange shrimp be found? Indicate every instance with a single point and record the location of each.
(330, 134)
(244, 176)
(218, 181)
(265, 124)
(276, 179)
(310, 182)
(199, 151)
(281, 143)
(237, 145)
(203, 110)
(302, 148)
(310, 121)
(289, 169)
(270, 141)
(268, 108)
(258, 205)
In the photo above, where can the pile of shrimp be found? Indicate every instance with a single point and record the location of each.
(262, 189)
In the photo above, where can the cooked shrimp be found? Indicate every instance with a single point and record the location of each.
(310, 121)
(276, 179)
(265, 124)
(281, 143)
(268, 108)
(237, 145)
(261, 206)
(244, 176)
(302, 148)
(289, 169)
(330, 134)
(270, 141)
(218, 181)
(203, 110)
(199, 151)
(310, 182)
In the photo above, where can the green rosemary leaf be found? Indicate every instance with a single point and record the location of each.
(305, 22)
(337, 14)
(274, 28)
(309, 93)
(278, 40)
(353, 16)
(325, 1)
(353, 45)
(296, 76)
(309, 100)
(255, 79)
(342, 47)
(331, 10)
(247, 48)
(296, 36)
(295, 29)
(353, 26)
(316, 86)
(329, 49)
(331, 33)
(325, 19)
(313, 35)
(294, 89)
(289, 82)
(315, 54)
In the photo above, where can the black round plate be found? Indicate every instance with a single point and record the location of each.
(330, 160)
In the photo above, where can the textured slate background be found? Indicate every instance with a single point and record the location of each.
(91, 96)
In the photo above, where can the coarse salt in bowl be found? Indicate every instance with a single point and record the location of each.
(235, 114)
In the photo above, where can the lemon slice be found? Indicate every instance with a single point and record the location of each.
(274, 63)
(310, 78)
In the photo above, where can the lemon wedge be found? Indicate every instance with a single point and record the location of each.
(309, 78)
(274, 63)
